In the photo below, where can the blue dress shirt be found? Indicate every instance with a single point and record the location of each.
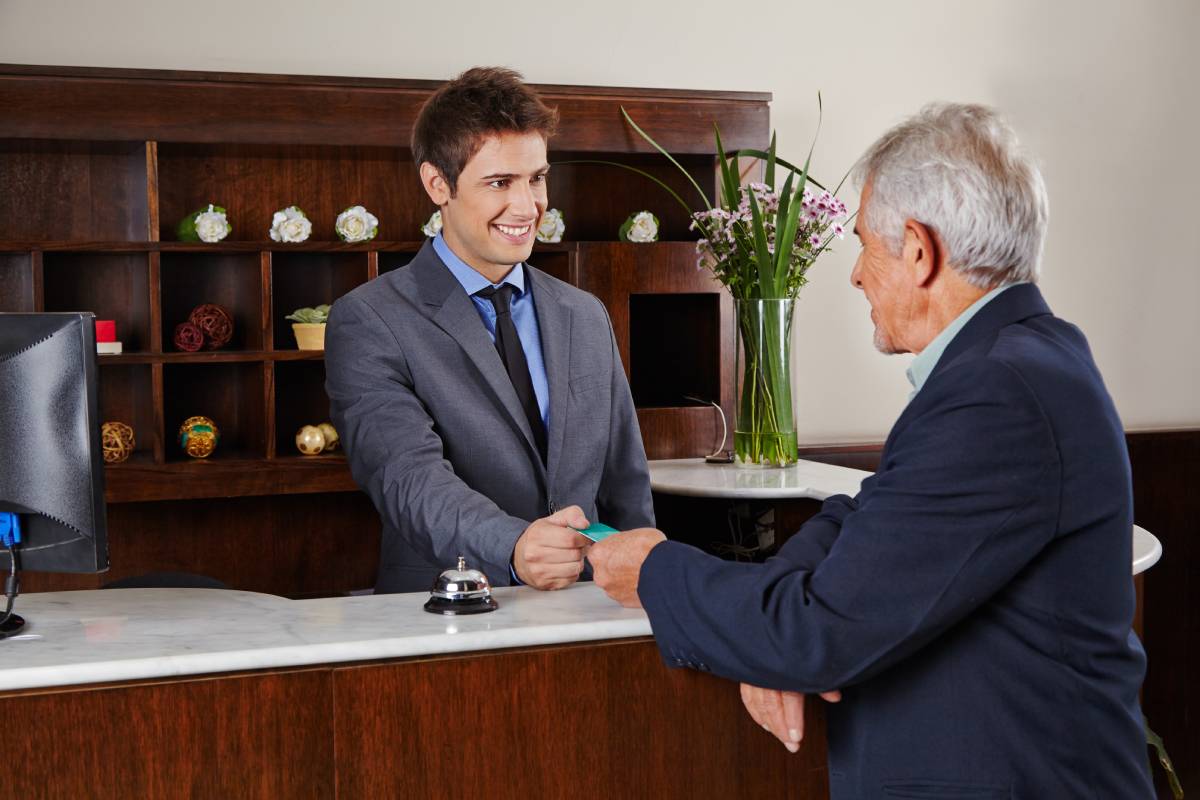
(524, 316)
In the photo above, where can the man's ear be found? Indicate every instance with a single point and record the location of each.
(435, 184)
(923, 254)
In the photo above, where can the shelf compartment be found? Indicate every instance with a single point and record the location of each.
(231, 394)
(232, 280)
(300, 280)
(16, 282)
(597, 199)
(76, 190)
(675, 349)
(396, 259)
(253, 181)
(138, 481)
(113, 286)
(126, 395)
(300, 400)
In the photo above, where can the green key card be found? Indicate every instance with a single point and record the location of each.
(597, 531)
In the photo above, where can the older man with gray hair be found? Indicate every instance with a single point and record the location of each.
(973, 601)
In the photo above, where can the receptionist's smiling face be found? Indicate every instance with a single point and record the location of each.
(491, 219)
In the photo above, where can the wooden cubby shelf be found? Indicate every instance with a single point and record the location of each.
(93, 184)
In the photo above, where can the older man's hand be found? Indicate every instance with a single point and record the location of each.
(781, 713)
(617, 561)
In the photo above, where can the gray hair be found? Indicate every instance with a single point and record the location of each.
(959, 170)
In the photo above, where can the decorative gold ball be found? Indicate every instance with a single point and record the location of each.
(331, 436)
(199, 436)
(117, 442)
(310, 440)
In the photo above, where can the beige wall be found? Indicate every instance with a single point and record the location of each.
(1104, 93)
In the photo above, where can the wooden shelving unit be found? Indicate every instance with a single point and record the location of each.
(97, 166)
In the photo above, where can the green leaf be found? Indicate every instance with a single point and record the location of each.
(770, 176)
(1155, 741)
(670, 158)
(762, 253)
(728, 179)
(785, 225)
(752, 153)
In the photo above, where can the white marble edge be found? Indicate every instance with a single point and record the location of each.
(693, 477)
(132, 634)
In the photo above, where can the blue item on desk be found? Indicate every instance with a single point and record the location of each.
(10, 529)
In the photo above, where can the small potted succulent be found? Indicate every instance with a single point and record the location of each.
(309, 327)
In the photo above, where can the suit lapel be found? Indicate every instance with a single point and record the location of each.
(453, 311)
(554, 325)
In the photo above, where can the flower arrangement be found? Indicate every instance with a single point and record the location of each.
(290, 225)
(760, 241)
(356, 224)
(640, 228)
(433, 226)
(208, 225)
(551, 227)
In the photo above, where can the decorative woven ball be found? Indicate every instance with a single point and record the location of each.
(188, 337)
(215, 322)
(331, 436)
(309, 440)
(117, 442)
(198, 436)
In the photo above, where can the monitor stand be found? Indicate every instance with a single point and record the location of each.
(12, 625)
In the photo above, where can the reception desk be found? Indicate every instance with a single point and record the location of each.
(208, 693)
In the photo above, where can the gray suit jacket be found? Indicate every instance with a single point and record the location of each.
(435, 434)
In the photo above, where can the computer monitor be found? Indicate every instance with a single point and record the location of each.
(51, 462)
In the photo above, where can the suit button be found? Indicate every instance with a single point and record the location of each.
(702, 667)
(679, 662)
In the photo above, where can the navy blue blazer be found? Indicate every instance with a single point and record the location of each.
(973, 602)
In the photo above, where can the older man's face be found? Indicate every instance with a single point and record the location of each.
(888, 285)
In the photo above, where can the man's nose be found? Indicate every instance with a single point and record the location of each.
(524, 201)
(854, 275)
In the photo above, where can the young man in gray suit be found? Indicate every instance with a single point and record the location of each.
(454, 381)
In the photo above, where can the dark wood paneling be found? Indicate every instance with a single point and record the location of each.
(16, 282)
(307, 545)
(129, 104)
(112, 285)
(596, 199)
(126, 395)
(231, 280)
(1166, 472)
(229, 394)
(615, 272)
(607, 719)
(252, 182)
(71, 189)
(261, 736)
(216, 478)
(307, 280)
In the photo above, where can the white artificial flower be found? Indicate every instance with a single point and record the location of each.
(434, 226)
(290, 225)
(356, 224)
(551, 228)
(211, 225)
(644, 228)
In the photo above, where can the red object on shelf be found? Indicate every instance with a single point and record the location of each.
(106, 330)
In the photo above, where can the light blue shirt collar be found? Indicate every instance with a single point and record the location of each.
(922, 366)
(472, 281)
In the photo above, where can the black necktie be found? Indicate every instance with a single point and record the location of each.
(508, 344)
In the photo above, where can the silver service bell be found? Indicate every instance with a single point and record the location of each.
(461, 591)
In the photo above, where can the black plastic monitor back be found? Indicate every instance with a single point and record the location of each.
(51, 463)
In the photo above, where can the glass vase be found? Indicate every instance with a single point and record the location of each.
(765, 427)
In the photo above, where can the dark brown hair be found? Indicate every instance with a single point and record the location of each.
(481, 102)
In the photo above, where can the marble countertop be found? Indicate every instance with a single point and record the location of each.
(131, 634)
(692, 477)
